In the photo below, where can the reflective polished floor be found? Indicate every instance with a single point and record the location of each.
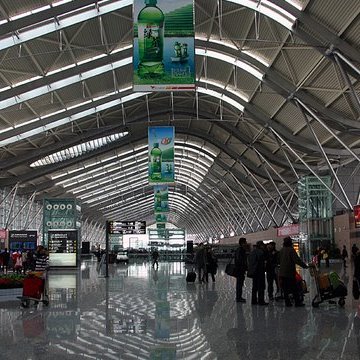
(140, 313)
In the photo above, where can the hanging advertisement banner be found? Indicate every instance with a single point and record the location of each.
(161, 154)
(164, 45)
(357, 216)
(161, 198)
(161, 218)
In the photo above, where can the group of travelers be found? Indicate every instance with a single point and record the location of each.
(21, 262)
(205, 262)
(262, 264)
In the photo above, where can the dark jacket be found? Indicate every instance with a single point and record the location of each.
(357, 266)
(240, 261)
(288, 260)
(261, 256)
(272, 261)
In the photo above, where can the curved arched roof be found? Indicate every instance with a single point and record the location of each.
(277, 98)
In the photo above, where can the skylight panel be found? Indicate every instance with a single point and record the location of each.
(62, 22)
(75, 151)
(296, 4)
(269, 9)
(230, 60)
(221, 97)
(232, 90)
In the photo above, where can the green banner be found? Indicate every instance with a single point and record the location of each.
(164, 45)
(161, 154)
(161, 198)
(160, 218)
(160, 226)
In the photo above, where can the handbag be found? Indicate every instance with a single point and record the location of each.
(230, 268)
(356, 290)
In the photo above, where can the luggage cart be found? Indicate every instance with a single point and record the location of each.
(35, 289)
(326, 293)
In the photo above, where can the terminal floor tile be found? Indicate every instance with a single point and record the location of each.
(140, 313)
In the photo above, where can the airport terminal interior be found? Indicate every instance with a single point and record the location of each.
(140, 140)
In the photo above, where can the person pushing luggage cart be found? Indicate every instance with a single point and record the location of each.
(35, 284)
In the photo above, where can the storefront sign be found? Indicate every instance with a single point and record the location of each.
(357, 216)
(288, 230)
(161, 154)
(164, 45)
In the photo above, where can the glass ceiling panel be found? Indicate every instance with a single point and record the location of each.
(78, 150)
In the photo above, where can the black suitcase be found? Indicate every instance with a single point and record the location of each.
(191, 276)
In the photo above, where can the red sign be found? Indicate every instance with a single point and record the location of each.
(357, 216)
(288, 230)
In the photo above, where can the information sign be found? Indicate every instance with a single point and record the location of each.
(63, 247)
(127, 227)
(22, 240)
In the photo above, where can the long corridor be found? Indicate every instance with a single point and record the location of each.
(140, 313)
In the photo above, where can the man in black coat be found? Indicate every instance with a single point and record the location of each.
(240, 267)
(257, 260)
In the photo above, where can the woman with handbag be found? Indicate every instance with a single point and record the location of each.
(240, 268)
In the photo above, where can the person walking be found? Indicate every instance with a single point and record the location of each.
(344, 255)
(256, 267)
(354, 250)
(271, 264)
(155, 258)
(210, 264)
(288, 261)
(200, 261)
(5, 260)
(240, 268)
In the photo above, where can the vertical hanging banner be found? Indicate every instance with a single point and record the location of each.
(164, 45)
(161, 154)
(160, 218)
(161, 198)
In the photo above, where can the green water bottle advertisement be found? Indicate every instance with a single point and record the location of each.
(161, 154)
(164, 45)
(161, 199)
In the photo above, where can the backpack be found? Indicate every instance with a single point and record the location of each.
(252, 264)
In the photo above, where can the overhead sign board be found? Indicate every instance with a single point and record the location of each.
(126, 227)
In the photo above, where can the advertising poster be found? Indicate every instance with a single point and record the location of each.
(357, 216)
(161, 199)
(161, 218)
(161, 154)
(164, 45)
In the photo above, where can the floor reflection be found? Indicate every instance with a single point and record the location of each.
(143, 313)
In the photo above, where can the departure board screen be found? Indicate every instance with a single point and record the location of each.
(127, 227)
(63, 246)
